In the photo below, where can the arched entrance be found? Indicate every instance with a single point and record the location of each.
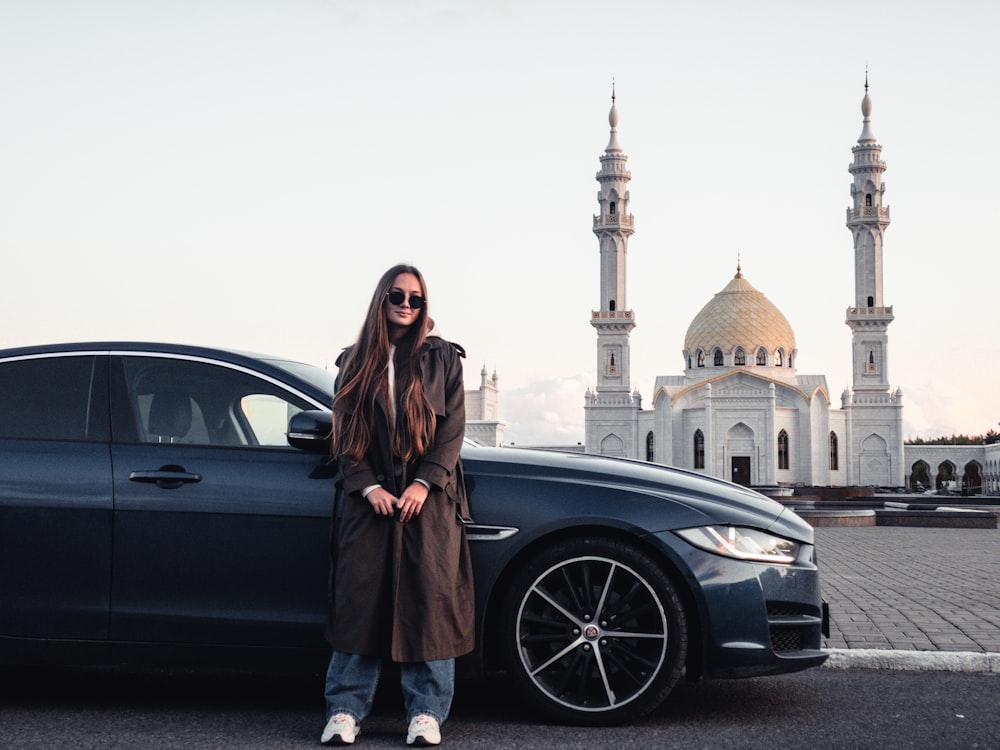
(972, 479)
(945, 479)
(920, 476)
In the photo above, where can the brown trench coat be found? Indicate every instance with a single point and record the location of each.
(404, 591)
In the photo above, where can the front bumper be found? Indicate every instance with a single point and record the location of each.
(753, 618)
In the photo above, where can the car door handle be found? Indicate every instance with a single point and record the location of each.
(167, 477)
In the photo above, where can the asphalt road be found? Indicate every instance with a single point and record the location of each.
(821, 709)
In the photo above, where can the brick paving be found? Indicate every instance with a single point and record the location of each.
(918, 589)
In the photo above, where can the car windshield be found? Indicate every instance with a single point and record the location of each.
(319, 378)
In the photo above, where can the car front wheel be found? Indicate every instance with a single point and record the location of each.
(594, 631)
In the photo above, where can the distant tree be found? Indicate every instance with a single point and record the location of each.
(952, 440)
(988, 439)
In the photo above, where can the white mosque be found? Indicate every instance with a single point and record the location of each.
(741, 411)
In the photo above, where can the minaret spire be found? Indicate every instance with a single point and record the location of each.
(613, 147)
(866, 137)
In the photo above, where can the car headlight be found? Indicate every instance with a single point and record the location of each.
(742, 543)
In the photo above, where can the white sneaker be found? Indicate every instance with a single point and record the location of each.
(424, 730)
(341, 729)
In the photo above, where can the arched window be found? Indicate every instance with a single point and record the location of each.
(740, 358)
(718, 358)
(790, 361)
(871, 302)
(868, 200)
(614, 207)
(701, 358)
(834, 453)
(699, 449)
(779, 358)
(650, 447)
(689, 361)
(611, 305)
(761, 357)
(782, 450)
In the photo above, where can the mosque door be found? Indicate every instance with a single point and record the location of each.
(741, 470)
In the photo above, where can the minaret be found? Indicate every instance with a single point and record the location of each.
(613, 226)
(610, 411)
(482, 413)
(869, 317)
(875, 413)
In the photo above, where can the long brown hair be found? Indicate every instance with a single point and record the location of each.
(363, 377)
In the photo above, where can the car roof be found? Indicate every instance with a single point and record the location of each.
(138, 346)
(281, 367)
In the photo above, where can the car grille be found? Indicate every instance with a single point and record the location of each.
(793, 627)
(785, 639)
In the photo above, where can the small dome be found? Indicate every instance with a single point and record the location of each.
(740, 315)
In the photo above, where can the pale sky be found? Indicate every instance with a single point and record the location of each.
(239, 173)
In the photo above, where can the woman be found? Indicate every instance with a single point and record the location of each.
(402, 575)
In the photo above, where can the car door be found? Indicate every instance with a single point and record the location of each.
(55, 497)
(221, 529)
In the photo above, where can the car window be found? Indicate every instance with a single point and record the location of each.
(180, 401)
(268, 416)
(49, 398)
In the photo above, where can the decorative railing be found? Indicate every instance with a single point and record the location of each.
(611, 314)
(868, 212)
(873, 311)
(614, 220)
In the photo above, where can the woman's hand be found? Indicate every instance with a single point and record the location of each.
(411, 501)
(382, 501)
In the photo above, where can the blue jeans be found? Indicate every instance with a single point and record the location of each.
(351, 679)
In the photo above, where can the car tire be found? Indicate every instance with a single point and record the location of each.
(594, 632)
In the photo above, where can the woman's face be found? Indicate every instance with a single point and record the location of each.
(402, 315)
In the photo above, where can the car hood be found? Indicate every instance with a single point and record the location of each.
(710, 500)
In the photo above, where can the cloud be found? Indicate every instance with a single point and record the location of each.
(942, 409)
(546, 412)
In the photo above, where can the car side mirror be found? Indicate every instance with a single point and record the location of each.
(310, 431)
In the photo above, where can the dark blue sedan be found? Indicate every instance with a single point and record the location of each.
(171, 505)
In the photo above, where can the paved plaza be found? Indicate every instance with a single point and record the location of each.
(911, 589)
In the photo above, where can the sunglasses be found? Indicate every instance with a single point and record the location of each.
(396, 297)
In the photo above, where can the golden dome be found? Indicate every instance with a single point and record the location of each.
(739, 315)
